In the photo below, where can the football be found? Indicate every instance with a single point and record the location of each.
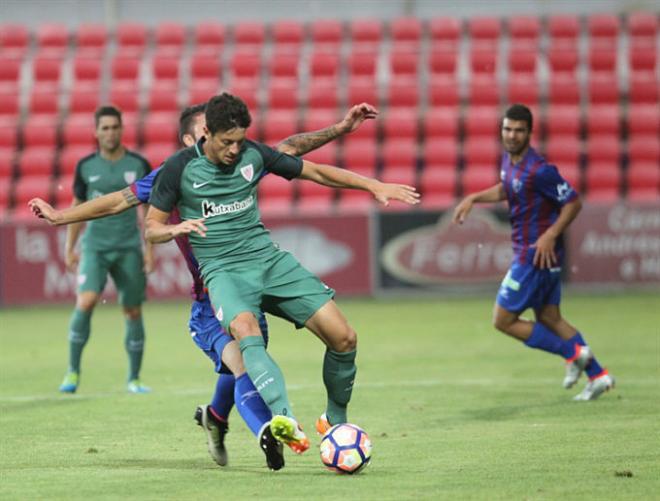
(345, 448)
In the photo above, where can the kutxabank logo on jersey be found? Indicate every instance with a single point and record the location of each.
(211, 209)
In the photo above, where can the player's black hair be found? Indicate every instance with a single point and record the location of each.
(520, 112)
(106, 111)
(226, 112)
(187, 117)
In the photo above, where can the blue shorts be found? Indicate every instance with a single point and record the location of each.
(208, 334)
(526, 286)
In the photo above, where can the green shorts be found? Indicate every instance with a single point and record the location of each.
(126, 267)
(278, 285)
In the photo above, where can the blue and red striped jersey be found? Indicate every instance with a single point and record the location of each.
(536, 192)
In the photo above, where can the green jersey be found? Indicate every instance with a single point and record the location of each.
(225, 196)
(96, 176)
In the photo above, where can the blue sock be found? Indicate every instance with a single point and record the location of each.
(544, 339)
(250, 405)
(223, 398)
(593, 368)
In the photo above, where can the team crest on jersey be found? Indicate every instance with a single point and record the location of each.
(502, 175)
(516, 185)
(219, 314)
(247, 172)
(129, 177)
(563, 190)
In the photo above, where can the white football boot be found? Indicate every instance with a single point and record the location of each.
(595, 388)
(575, 367)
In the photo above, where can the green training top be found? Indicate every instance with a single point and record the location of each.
(226, 196)
(96, 176)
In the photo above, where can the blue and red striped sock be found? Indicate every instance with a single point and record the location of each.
(223, 398)
(593, 368)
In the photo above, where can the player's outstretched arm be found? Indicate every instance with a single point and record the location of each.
(106, 205)
(493, 194)
(158, 231)
(544, 256)
(341, 178)
(300, 144)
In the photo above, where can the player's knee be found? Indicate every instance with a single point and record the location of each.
(243, 326)
(86, 301)
(346, 341)
(501, 324)
(132, 312)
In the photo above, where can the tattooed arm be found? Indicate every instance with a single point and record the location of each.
(300, 144)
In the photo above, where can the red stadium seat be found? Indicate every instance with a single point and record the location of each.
(202, 90)
(406, 29)
(131, 37)
(442, 61)
(91, 40)
(524, 31)
(643, 89)
(362, 63)
(247, 89)
(322, 95)
(440, 152)
(129, 136)
(284, 65)
(572, 174)
(603, 28)
(10, 72)
(160, 129)
(564, 90)
(70, 156)
(564, 29)
(43, 102)
(522, 61)
(360, 155)
(603, 149)
(283, 94)
(484, 91)
(209, 37)
(523, 90)
(368, 130)
(563, 121)
(445, 31)
(165, 68)
(318, 119)
(249, 34)
(603, 184)
(31, 187)
(63, 192)
(443, 92)
(399, 176)
(125, 68)
(642, 57)
(327, 32)
(246, 64)
(643, 25)
(170, 37)
(482, 121)
(404, 62)
(7, 158)
(562, 150)
(563, 59)
(46, 70)
(602, 58)
(363, 90)
(478, 177)
(644, 149)
(278, 125)
(603, 121)
(324, 64)
(403, 93)
(276, 187)
(440, 123)
(481, 151)
(205, 66)
(8, 137)
(40, 131)
(79, 132)
(14, 40)
(37, 161)
(163, 99)
(9, 105)
(643, 120)
(400, 124)
(399, 154)
(157, 153)
(483, 61)
(126, 98)
(315, 193)
(484, 30)
(327, 154)
(643, 182)
(87, 71)
(603, 89)
(288, 34)
(366, 32)
(355, 201)
(438, 187)
(5, 185)
(53, 38)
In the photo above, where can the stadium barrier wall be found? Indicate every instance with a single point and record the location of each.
(361, 254)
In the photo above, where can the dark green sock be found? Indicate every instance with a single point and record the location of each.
(338, 376)
(78, 336)
(265, 375)
(134, 344)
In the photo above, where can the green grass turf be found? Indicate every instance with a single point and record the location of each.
(454, 409)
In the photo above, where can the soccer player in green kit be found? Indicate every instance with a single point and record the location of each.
(214, 185)
(109, 246)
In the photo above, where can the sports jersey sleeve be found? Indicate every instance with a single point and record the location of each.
(142, 188)
(79, 184)
(279, 163)
(166, 190)
(552, 186)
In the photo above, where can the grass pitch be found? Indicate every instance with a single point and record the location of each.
(454, 409)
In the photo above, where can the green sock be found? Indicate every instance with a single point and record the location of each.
(265, 375)
(338, 376)
(78, 336)
(134, 344)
